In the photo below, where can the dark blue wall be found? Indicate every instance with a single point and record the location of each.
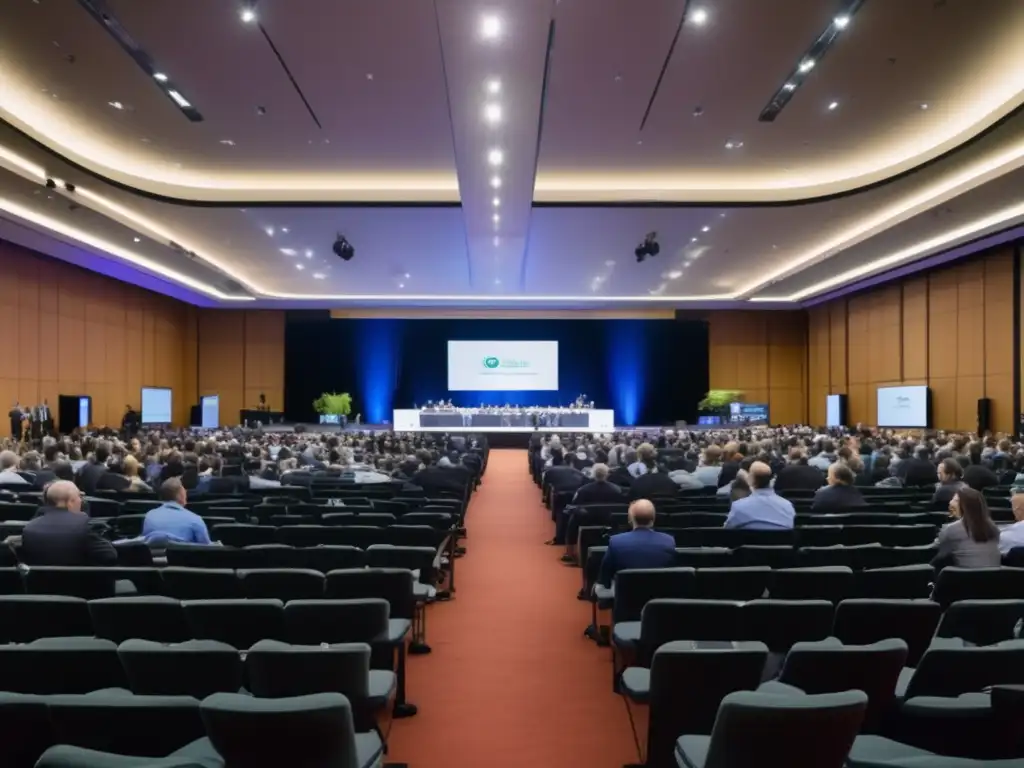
(648, 371)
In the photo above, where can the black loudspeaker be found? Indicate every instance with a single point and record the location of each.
(984, 415)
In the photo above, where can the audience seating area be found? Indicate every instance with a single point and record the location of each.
(294, 629)
(835, 643)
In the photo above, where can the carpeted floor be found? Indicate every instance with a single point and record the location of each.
(512, 683)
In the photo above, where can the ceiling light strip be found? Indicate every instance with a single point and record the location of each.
(105, 246)
(1006, 216)
(665, 63)
(973, 176)
(810, 59)
(101, 12)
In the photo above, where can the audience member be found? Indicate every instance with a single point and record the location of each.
(172, 521)
(798, 474)
(9, 470)
(642, 547)
(598, 490)
(1013, 535)
(763, 509)
(61, 534)
(951, 476)
(840, 494)
(972, 541)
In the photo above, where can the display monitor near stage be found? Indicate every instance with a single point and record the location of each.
(502, 366)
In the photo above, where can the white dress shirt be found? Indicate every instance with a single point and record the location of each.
(1011, 536)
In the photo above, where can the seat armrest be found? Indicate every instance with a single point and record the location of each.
(636, 684)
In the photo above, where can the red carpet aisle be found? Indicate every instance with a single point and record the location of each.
(511, 682)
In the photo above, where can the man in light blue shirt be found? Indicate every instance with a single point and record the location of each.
(763, 509)
(171, 521)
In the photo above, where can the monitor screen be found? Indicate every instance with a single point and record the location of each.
(752, 413)
(156, 405)
(903, 406)
(502, 366)
(210, 410)
(833, 411)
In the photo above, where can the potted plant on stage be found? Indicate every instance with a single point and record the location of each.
(716, 403)
(334, 408)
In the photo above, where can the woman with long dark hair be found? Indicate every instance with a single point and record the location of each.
(972, 540)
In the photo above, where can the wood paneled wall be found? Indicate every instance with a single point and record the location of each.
(951, 329)
(764, 355)
(69, 331)
(241, 354)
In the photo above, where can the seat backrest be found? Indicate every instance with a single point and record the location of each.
(61, 665)
(635, 587)
(955, 584)
(665, 620)
(863, 621)
(24, 618)
(796, 731)
(87, 583)
(748, 583)
(781, 623)
(949, 668)
(981, 622)
(276, 670)
(833, 583)
(901, 582)
(831, 667)
(772, 556)
(688, 685)
(392, 584)
(282, 583)
(151, 617)
(25, 728)
(193, 668)
(201, 583)
(311, 622)
(239, 623)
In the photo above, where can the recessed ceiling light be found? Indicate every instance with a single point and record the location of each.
(407, 275)
(497, 241)
(924, 106)
(285, 230)
(180, 100)
(401, 285)
(699, 17)
(833, 105)
(618, 78)
(492, 113)
(495, 157)
(841, 22)
(247, 14)
(675, 274)
(610, 263)
(494, 86)
(160, 76)
(705, 229)
(496, 202)
(137, 239)
(497, 281)
(733, 144)
(369, 75)
(269, 231)
(227, 142)
(288, 251)
(309, 253)
(639, 142)
(318, 275)
(496, 182)
(693, 239)
(806, 65)
(722, 215)
(789, 87)
(496, 217)
(300, 267)
(490, 27)
(116, 104)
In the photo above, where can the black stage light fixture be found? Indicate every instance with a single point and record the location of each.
(649, 247)
(343, 248)
(51, 184)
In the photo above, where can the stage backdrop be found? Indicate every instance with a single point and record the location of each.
(649, 371)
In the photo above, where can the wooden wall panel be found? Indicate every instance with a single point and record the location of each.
(951, 329)
(79, 333)
(764, 355)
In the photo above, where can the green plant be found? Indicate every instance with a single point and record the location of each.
(334, 403)
(717, 399)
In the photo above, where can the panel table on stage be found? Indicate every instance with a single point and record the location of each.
(488, 419)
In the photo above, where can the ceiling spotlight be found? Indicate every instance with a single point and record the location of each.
(288, 251)
(497, 241)
(705, 229)
(494, 87)
(401, 285)
(407, 275)
(309, 253)
(285, 230)
(789, 87)
(497, 281)
(833, 105)
(841, 22)
(806, 65)
(496, 202)
(495, 157)
(675, 274)
(924, 106)
(490, 27)
(496, 217)
(492, 113)
(693, 239)
(137, 239)
(721, 215)
(116, 104)
(269, 231)
(160, 76)
(649, 247)
(300, 266)
(343, 249)
(248, 13)
(227, 142)
(699, 17)
(318, 275)
(496, 182)
(733, 144)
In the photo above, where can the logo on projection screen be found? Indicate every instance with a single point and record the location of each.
(491, 362)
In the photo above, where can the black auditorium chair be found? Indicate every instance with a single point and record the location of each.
(149, 617)
(192, 668)
(239, 623)
(24, 618)
(863, 621)
(61, 665)
(201, 583)
(282, 583)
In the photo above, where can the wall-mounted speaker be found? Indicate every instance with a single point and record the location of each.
(984, 415)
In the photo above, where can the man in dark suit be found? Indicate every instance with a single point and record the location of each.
(840, 494)
(15, 416)
(90, 473)
(599, 490)
(576, 513)
(642, 547)
(798, 475)
(655, 483)
(60, 533)
(917, 471)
